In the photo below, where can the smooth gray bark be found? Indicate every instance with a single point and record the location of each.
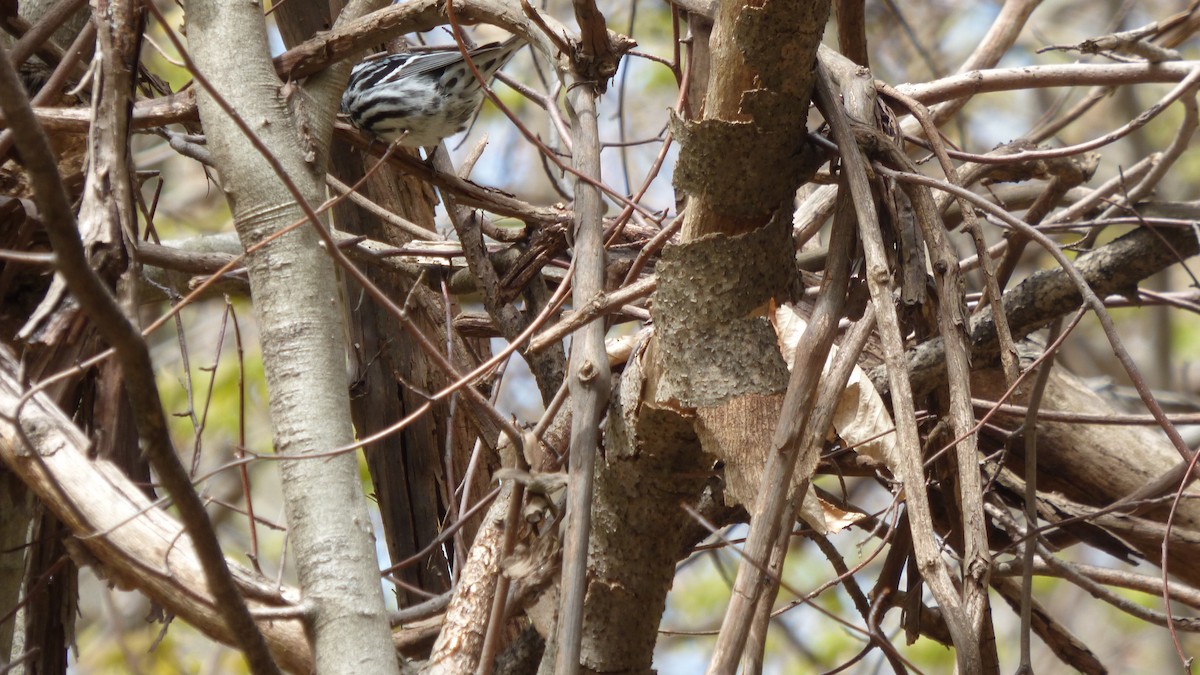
(298, 306)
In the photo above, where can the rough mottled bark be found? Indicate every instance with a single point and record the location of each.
(713, 359)
(1113, 268)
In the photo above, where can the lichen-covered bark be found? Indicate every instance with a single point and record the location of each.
(712, 342)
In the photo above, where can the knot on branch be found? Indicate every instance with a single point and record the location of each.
(596, 61)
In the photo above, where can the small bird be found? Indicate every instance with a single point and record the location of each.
(421, 98)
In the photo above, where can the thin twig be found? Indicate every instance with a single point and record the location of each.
(1031, 475)
(588, 378)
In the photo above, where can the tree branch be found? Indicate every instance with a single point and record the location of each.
(73, 265)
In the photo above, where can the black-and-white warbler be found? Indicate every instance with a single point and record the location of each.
(421, 98)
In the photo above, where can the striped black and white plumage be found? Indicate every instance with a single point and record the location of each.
(430, 96)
